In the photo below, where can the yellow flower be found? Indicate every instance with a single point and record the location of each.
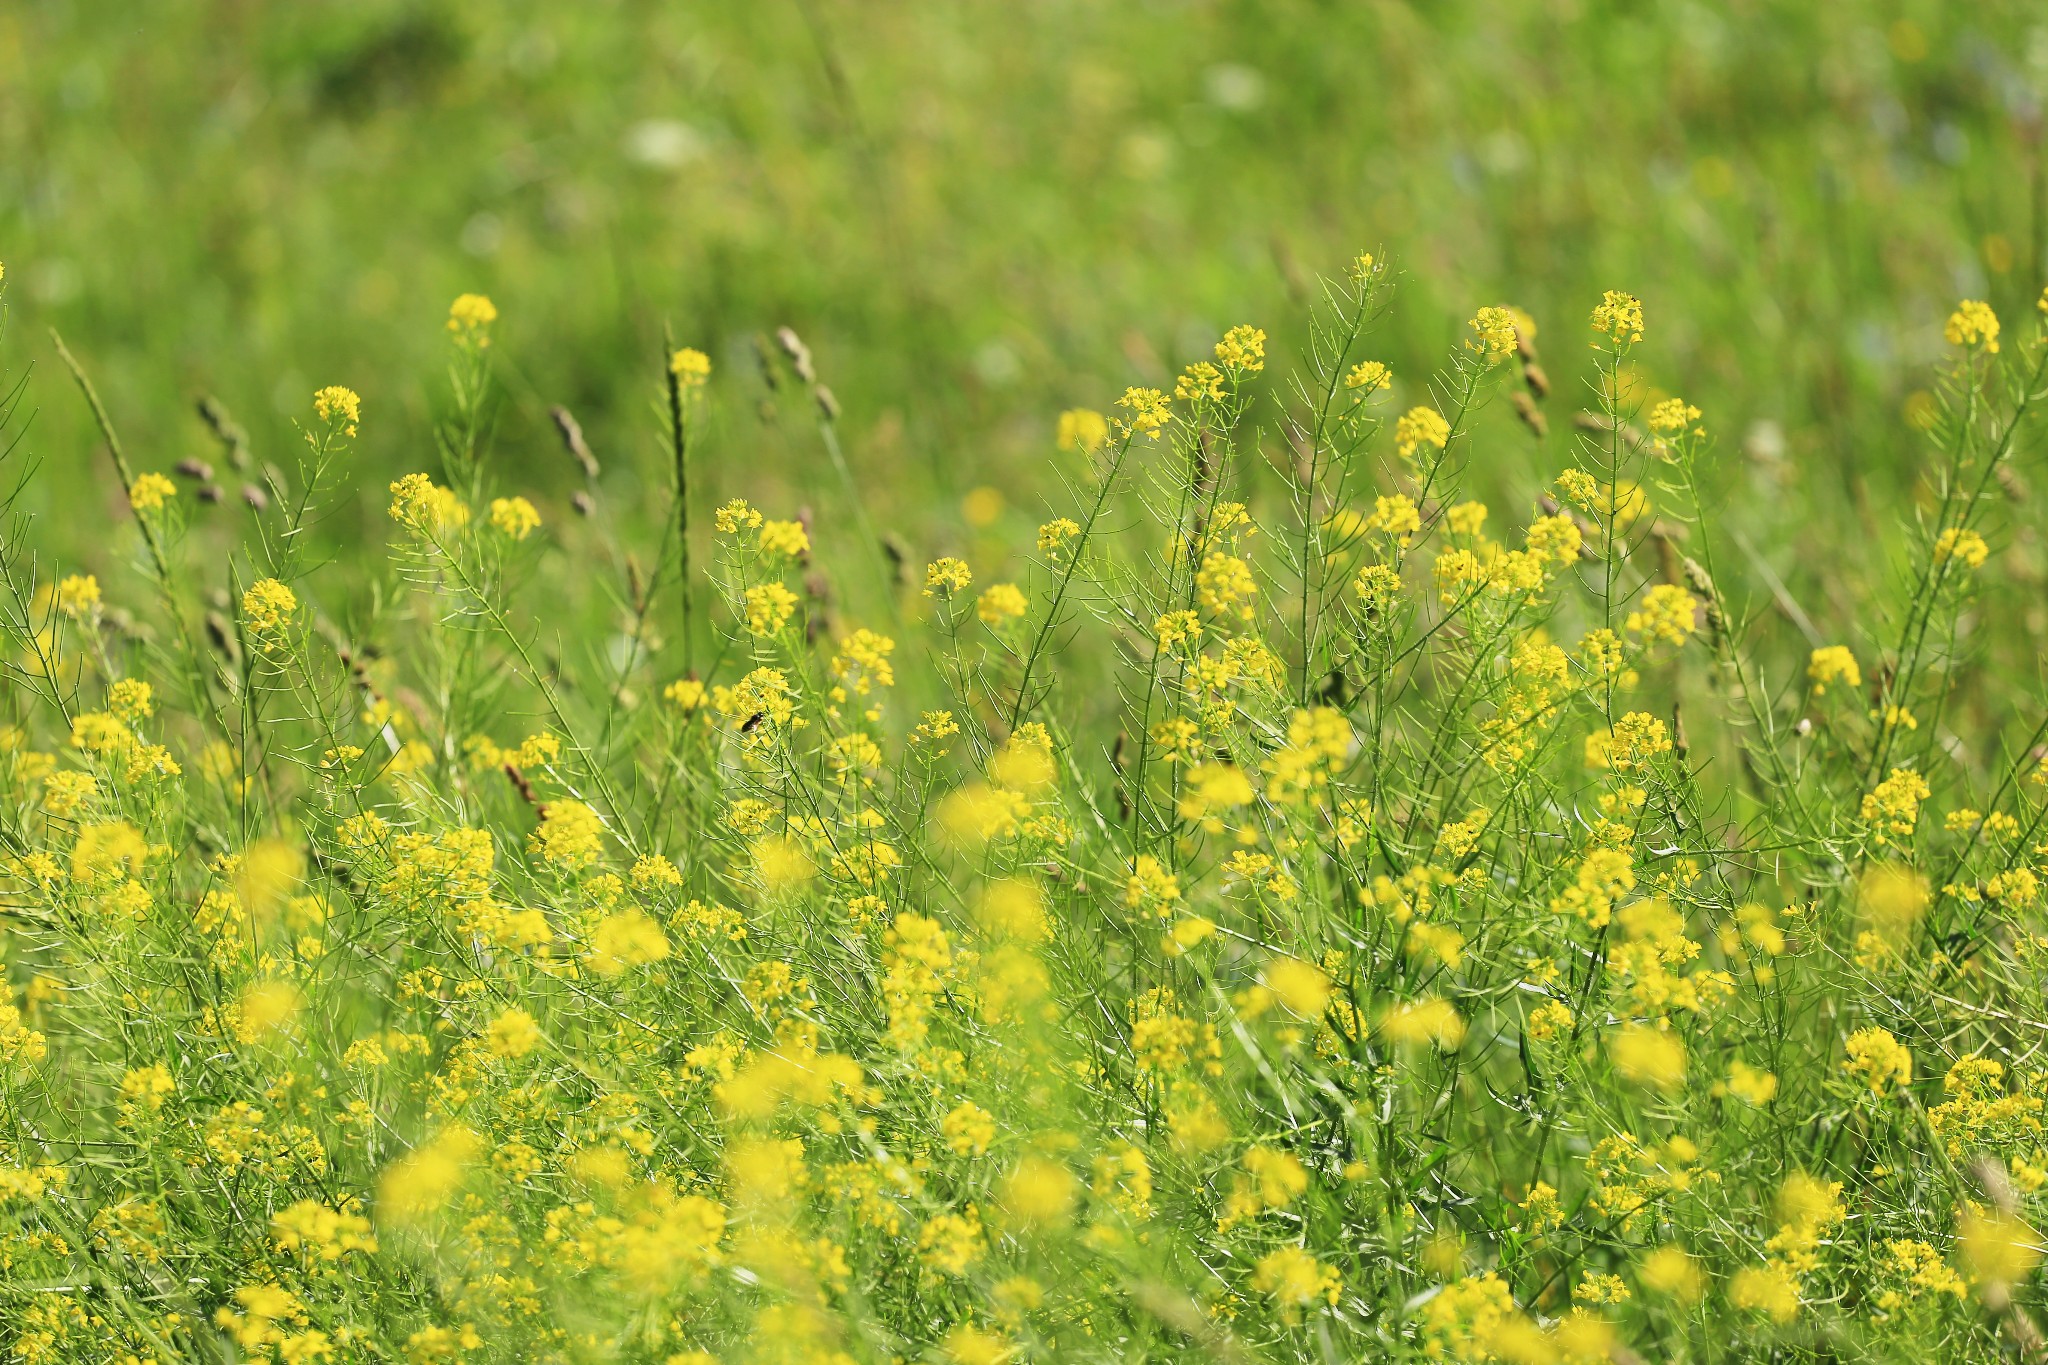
(769, 607)
(1648, 1056)
(1973, 324)
(1148, 409)
(1877, 1059)
(513, 1034)
(268, 606)
(1000, 603)
(1832, 664)
(691, 367)
(515, 517)
(338, 406)
(1081, 430)
(1368, 377)
(1965, 546)
(946, 576)
(78, 596)
(1295, 1280)
(1496, 334)
(1242, 349)
(148, 492)
(421, 505)
(1619, 317)
(470, 315)
(1420, 426)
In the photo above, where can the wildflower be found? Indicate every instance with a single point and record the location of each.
(1578, 488)
(1433, 1021)
(78, 596)
(131, 699)
(1751, 1085)
(1648, 1056)
(1878, 1060)
(968, 1129)
(1973, 324)
(149, 491)
(1892, 808)
(569, 835)
(1966, 547)
(1667, 612)
(945, 576)
(1081, 430)
(1151, 886)
(1148, 409)
(862, 663)
(419, 1184)
(785, 538)
(1619, 317)
(1225, 586)
(1001, 603)
(1295, 1280)
(515, 517)
(952, 1243)
(768, 608)
(1368, 377)
(1420, 426)
(1054, 535)
(268, 606)
(470, 315)
(1671, 1272)
(338, 406)
(1395, 515)
(1832, 664)
(1039, 1191)
(422, 506)
(513, 1033)
(1495, 331)
(1199, 381)
(1377, 585)
(1997, 1248)
(1767, 1288)
(1242, 350)
(324, 1233)
(736, 516)
(1177, 628)
(1208, 790)
(1672, 416)
(1304, 989)
(625, 940)
(691, 368)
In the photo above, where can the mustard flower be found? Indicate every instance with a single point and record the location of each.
(338, 406)
(149, 491)
(515, 517)
(1973, 324)
(1420, 426)
(268, 606)
(1619, 317)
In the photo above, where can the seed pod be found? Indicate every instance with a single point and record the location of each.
(1536, 379)
(1531, 415)
(199, 471)
(258, 500)
(583, 503)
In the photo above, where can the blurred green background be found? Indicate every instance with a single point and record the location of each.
(980, 214)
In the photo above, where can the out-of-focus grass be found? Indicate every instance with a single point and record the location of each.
(980, 214)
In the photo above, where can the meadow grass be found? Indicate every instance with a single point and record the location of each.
(1301, 913)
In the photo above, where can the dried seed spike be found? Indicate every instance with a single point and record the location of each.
(572, 439)
(799, 354)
